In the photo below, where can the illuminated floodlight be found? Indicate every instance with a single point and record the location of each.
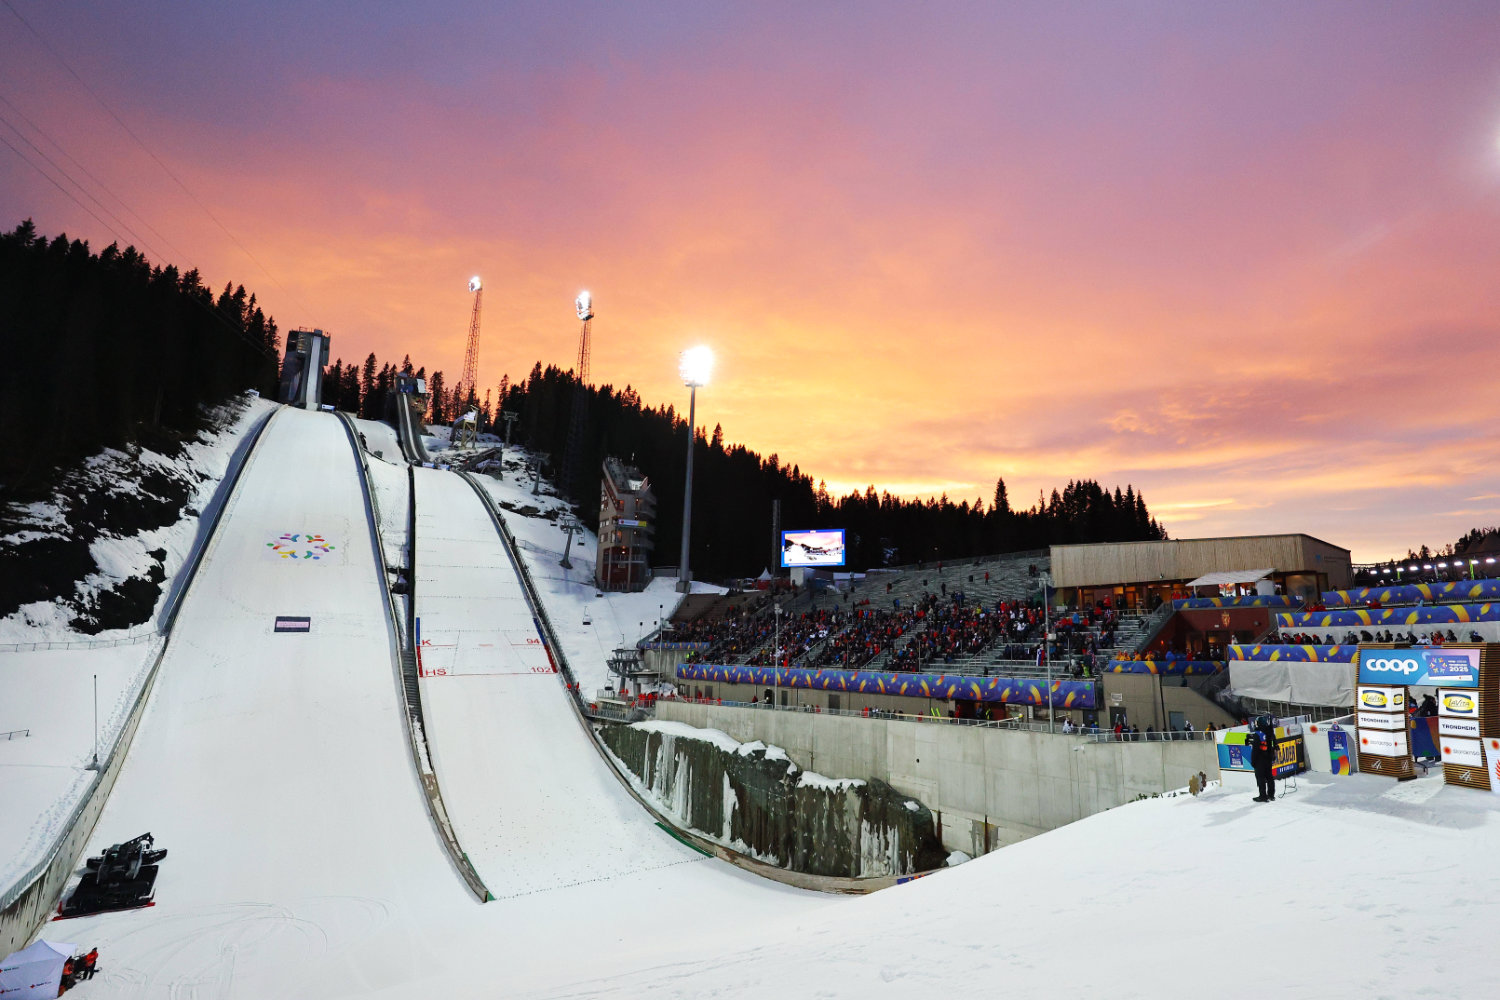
(695, 365)
(1386, 570)
(475, 284)
(1442, 565)
(1412, 569)
(585, 306)
(1427, 565)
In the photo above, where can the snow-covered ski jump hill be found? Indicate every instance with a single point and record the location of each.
(303, 862)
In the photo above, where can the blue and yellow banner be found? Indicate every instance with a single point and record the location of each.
(1165, 668)
(1396, 618)
(1294, 653)
(1247, 601)
(1411, 593)
(1011, 690)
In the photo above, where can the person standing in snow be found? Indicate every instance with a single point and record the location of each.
(1262, 755)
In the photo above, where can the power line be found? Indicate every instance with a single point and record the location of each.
(176, 253)
(139, 142)
(212, 310)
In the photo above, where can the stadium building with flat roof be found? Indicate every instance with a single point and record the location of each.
(1144, 574)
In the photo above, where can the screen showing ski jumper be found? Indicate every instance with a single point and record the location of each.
(824, 547)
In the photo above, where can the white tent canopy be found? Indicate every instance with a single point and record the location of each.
(1328, 684)
(1231, 577)
(34, 973)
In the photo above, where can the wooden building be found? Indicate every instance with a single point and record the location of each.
(1142, 574)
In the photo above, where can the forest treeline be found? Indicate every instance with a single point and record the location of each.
(733, 488)
(103, 349)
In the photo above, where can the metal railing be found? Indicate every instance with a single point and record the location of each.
(108, 769)
(1165, 736)
(127, 640)
(1014, 724)
(16, 734)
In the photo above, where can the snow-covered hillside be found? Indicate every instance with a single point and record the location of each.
(589, 624)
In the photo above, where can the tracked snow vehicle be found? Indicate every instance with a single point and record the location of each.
(122, 878)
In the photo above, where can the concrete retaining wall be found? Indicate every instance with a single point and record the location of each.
(987, 787)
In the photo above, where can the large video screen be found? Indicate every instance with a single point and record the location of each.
(824, 547)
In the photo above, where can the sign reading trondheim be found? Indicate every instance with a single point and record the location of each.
(1454, 668)
(1381, 720)
(1468, 728)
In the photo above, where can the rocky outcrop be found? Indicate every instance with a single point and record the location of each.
(753, 799)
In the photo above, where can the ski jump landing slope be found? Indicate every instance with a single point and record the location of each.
(275, 769)
(533, 805)
(273, 766)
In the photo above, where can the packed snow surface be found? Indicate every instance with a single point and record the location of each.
(275, 769)
(589, 624)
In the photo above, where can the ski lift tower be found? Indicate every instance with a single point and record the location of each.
(470, 378)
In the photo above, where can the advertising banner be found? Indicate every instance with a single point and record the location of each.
(1288, 759)
(1454, 668)
(1379, 699)
(1469, 753)
(1468, 728)
(1492, 762)
(1381, 720)
(1458, 704)
(1338, 751)
(1383, 744)
(293, 623)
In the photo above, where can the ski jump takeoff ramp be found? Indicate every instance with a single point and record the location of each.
(274, 766)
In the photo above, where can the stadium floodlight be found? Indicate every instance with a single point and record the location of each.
(1489, 559)
(1442, 565)
(475, 284)
(1427, 565)
(695, 365)
(585, 306)
(1412, 569)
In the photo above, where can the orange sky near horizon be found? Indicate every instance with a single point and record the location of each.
(1241, 259)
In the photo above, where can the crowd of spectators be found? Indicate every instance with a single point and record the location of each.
(1436, 637)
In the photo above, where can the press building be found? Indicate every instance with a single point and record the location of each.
(627, 525)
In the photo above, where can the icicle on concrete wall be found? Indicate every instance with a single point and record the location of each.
(752, 798)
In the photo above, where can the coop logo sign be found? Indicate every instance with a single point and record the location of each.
(1449, 668)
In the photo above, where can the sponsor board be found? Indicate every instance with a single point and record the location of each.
(1458, 704)
(293, 623)
(1468, 728)
(1382, 743)
(1381, 699)
(1381, 720)
(1468, 753)
(1457, 668)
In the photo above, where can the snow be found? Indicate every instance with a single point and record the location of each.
(275, 770)
(303, 864)
(381, 436)
(589, 624)
(43, 776)
(50, 691)
(1342, 891)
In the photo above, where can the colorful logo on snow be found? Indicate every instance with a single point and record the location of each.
(301, 545)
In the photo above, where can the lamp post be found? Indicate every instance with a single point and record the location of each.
(694, 365)
(1047, 651)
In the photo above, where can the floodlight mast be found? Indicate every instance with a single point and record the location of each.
(695, 365)
(469, 380)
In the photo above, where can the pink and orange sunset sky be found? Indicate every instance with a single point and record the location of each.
(1245, 256)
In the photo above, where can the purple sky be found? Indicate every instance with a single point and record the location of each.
(1242, 256)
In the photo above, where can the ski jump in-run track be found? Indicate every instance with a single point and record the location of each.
(276, 767)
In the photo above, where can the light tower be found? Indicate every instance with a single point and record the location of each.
(694, 365)
(584, 305)
(470, 377)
